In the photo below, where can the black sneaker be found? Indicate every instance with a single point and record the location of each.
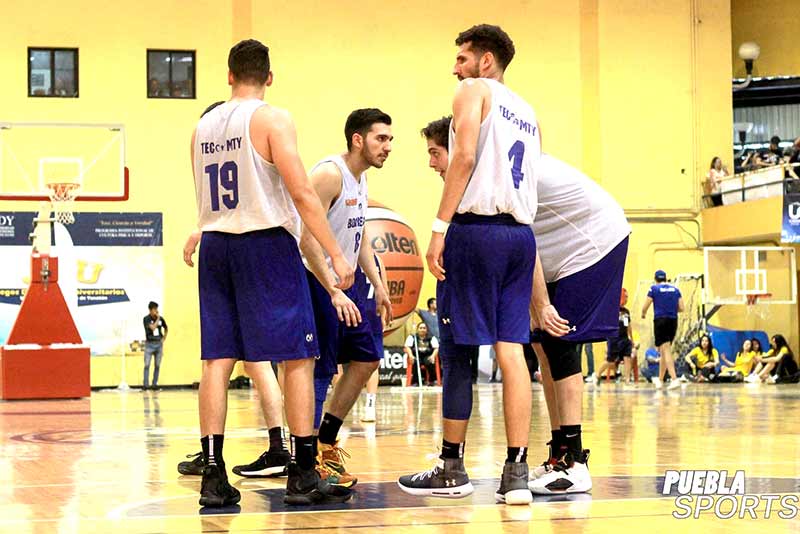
(514, 484)
(194, 467)
(305, 487)
(215, 491)
(448, 478)
(270, 464)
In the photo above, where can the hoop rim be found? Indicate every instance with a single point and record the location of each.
(753, 298)
(66, 186)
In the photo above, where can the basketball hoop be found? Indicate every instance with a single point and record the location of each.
(62, 196)
(760, 309)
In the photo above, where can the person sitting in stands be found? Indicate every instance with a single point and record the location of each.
(703, 360)
(745, 359)
(779, 355)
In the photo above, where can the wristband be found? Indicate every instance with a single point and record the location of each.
(439, 226)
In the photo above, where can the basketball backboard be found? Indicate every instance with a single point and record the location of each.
(33, 155)
(732, 274)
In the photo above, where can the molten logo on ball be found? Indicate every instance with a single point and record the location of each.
(394, 241)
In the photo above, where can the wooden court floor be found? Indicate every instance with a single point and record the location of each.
(108, 464)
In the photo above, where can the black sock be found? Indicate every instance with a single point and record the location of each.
(315, 447)
(572, 439)
(276, 439)
(557, 444)
(212, 449)
(329, 429)
(452, 450)
(303, 451)
(516, 454)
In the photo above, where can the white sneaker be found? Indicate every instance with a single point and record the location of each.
(565, 478)
(657, 382)
(683, 378)
(674, 384)
(591, 378)
(772, 379)
(369, 414)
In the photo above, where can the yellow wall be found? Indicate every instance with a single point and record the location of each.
(773, 25)
(643, 118)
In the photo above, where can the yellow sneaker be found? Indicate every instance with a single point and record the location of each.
(331, 459)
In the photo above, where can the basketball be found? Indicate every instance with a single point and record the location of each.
(395, 242)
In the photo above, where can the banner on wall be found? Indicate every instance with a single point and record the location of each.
(790, 227)
(392, 370)
(110, 267)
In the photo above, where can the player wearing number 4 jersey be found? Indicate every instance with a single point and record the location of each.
(255, 303)
(486, 261)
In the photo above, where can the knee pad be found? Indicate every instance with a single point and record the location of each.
(320, 393)
(456, 382)
(563, 357)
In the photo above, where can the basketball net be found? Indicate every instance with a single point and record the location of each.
(62, 197)
(758, 305)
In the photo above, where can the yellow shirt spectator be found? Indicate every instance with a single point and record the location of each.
(744, 363)
(702, 358)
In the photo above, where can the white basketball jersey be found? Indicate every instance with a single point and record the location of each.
(237, 190)
(347, 214)
(508, 147)
(577, 222)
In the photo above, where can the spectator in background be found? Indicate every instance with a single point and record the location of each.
(779, 357)
(155, 329)
(424, 346)
(703, 360)
(713, 186)
(154, 88)
(755, 345)
(773, 155)
(430, 317)
(793, 170)
(652, 361)
(745, 359)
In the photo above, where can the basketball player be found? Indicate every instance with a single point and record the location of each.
(572, 208)
(485, 264)
(341, 183)
(667, 304)
(255, 303)
(274, 461)
(620, 347)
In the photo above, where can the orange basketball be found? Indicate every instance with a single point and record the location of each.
(395, 242)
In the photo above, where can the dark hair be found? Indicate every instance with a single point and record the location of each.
(714, 160)
(248, 61)
(775, 140)
(710, 344)
(487, 38)
(212, 106)
(152, 305)
(432, 299)
(438, 131)
(753, 343)
(780, 342)
(361, 120)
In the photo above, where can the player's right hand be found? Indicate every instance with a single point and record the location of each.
(552, 323)
(190, 247)
(345, 308)
(344, 271)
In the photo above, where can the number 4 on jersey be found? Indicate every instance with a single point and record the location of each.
(515, 155)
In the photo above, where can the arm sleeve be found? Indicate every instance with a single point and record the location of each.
(164, 324)
(650, 293)
(434, 342)
(410, 341)
(146, 329)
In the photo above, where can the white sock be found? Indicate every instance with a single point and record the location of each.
(370, 400)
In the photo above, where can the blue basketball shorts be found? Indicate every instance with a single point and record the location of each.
(339, 343)
(255, 303)
(589, 299)
(485, 297)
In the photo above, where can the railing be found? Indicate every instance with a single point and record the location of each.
(754, 185)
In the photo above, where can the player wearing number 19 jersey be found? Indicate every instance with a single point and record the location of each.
(485, 263)
(255, 302)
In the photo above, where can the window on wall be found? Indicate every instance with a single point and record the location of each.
(53, 72)
(170, 74)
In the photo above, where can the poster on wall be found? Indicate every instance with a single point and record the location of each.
(110, 267)
(790, 226)
(392, 371)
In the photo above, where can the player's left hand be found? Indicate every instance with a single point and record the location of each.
(383, 306)
(435, 255)
(552, 322)
(190, 247)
